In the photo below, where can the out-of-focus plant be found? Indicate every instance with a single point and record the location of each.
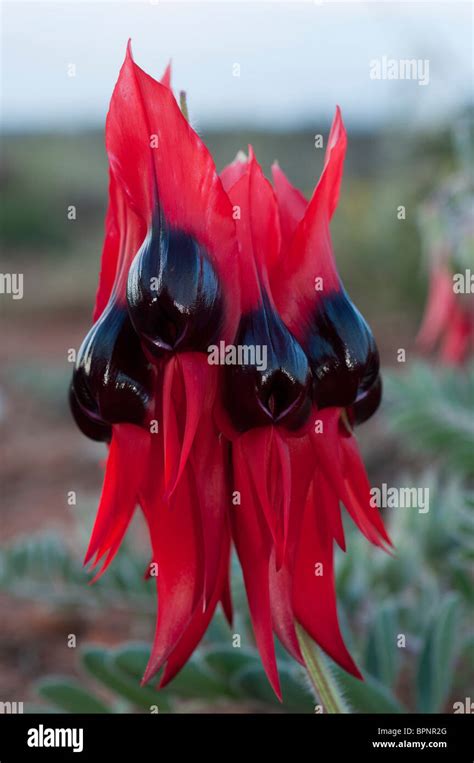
(446, 224)
(432, 409)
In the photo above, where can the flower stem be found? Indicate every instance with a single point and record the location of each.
(320, 674)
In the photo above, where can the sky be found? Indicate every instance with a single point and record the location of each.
(295, 60)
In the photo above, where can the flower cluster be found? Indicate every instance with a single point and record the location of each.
(257, 450)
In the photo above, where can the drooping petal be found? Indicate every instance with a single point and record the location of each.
(314, 594)
(176, 535)
(189, 385)
(339, 458)
(127, 465)
(253, 543)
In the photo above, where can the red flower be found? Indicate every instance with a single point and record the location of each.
(448, 320)
(258, 451)
(446, 228)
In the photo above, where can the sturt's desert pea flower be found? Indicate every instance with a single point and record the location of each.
(260, 454)
(447, 227)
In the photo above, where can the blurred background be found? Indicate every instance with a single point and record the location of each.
(269, 74)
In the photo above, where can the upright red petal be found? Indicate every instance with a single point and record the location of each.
(291, 206)
(159, 160)
(311, 255)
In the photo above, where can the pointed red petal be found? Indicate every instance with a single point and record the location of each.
(291, 206)
(258, 232)
(358, 487)
(325, 494)
(281, 595)
(314, 594)
(311, 255)
(199, 622)
(189, 385)
(253, 544)
(125, 474)
(177, 549)
(234, 171)
(199, 381)
(110, 253)
(344, 469)
(210, 459)
(166, 78)
(158, 158)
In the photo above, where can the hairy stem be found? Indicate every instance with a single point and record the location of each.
(320, 674)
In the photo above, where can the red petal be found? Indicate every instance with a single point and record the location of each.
(188, 393)
(175, 531)
(157, 157)
(291, 206)
(258, 231)
(234, 171)
(311, 255)
(281, 596)
(441, 302)
(358, 488)
(314, 596)
(459, 337)
(253, 544)
(344, 469)
(166, 78)
(124, 477)
(199, 622)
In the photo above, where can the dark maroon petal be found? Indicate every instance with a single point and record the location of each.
(342, 352)
(92, 426)
(173, 293)
(278, 394)
(111, 380)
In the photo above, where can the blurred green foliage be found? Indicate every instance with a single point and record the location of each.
(378, 254)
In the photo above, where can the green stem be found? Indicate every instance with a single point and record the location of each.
(320, 675)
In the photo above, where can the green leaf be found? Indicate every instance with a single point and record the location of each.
(227, 660)
(432, 408)
(369, 695)
(252, 682)
(69, 696)
(435, 667)
(196, 681)
(132, 659)
(101, 665)
(382, 652)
